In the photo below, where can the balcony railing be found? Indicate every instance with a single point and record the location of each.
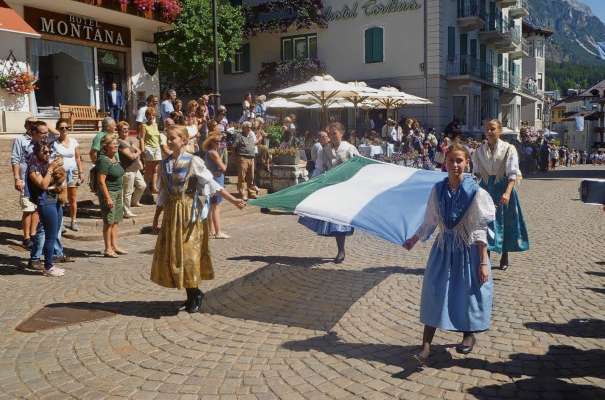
(529, 86)
(497, 23)
(468, 65)
(518, 9)
(471, 8)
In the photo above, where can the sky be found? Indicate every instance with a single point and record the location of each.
(598, 7)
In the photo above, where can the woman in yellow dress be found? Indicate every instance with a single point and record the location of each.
(182, 258)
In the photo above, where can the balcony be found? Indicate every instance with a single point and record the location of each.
(471, 15)
(496, 29)
(518, 10)
(506, 3)
(468, 67)
(520, 51)
(510, 41)
(165, 11)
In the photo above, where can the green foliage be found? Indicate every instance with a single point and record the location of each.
(275, 134)
(186, 52)
(572, 76)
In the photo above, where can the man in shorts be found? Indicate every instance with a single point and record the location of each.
(21, 151)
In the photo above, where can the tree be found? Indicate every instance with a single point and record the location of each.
(187, 51)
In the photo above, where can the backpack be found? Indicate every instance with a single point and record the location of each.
(92, 179)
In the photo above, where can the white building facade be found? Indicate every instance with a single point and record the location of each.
(79, 50)
(466, 56)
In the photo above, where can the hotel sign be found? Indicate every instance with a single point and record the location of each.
(77, 27)
(370, 8)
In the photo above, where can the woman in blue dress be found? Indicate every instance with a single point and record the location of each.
(334, 153)
(457, 287)
(496, 163)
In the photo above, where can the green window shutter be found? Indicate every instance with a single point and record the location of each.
(246, 57)
(451, 43)
(377, 39)
(373, 45)
(227, 67)
(368, 45)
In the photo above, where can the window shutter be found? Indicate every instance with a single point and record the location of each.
(246, 57)
(377, 48)
(451, 43)
(368, 45)
(463, 44)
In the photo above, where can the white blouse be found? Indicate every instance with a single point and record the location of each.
(206, 184)
(332, 157)
(473, 226)
(503, 161)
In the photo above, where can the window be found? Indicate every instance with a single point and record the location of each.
(240, 62)
(374, 52)
(298, 47)
(451, 43)
(531, 48)
(539, 48)
(540, 81)
(539, 112)
(460, 109)
(476, 110)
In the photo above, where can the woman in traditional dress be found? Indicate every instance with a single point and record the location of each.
(181, 258)
(496, 163)
(334, 153)
(457, 287)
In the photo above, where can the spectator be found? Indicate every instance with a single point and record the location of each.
(108, 127)
(133, 185)
(152, 102)
(45, 186)
(110, 175)
(218, 169)
(149, 140)
(177, 115)
(68, 148)
(260, 109)
(167, 106)
(22, 149)
(243, 146)
(114, 102)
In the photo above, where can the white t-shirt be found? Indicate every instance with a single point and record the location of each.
(141, 115)
(68, 153)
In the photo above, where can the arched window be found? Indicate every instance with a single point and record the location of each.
(374, 52)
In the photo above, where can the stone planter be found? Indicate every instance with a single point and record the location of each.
(283, 176)
(282, 159)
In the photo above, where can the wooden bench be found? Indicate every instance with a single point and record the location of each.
(87, 114)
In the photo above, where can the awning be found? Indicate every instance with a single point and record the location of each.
(10, 21)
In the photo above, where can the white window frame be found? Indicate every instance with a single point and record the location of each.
(238, 55)
(363, 44)
(293, 39)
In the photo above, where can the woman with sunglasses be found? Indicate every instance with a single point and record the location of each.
(69, 149)
(44, 194)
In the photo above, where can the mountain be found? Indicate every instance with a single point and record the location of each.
(579, 36)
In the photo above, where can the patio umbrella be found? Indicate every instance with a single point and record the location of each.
(280, 102)
(363, 92)
(324, 90)
(389, 97)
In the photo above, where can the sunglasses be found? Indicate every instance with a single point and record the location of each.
(63, 127)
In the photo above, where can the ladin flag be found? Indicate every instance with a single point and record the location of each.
(386, 200)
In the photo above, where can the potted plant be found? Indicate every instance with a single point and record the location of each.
(275, 135)
(286, 156)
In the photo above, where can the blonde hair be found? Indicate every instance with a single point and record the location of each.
(108, 139)
(214, 137)
(457, 146)
(180, 130)
(123, 124)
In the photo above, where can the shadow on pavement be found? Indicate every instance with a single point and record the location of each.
(284, 260)
(142, 309)
(568, 174)
(396, 270)
(585, 328)
(538, 388)
(293, 296)
(595, 273)
(394, 355)
(12, 265)
(596, 290)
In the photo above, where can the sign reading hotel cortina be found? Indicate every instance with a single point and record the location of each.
(77, 27)
(370, 8)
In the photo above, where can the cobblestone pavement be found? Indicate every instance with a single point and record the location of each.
(281, 321)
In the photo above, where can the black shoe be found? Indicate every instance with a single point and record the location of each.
(28, 244)
(463, 349)
(340, 257)
(504, 267)
(196, 301)
(187, 303)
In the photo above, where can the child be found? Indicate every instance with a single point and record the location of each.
(182, 258)
(457, 287)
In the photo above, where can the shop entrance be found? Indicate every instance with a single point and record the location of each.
(112, 68)
(61, 80)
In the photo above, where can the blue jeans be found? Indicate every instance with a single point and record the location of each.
(51, 218)
(114, 112)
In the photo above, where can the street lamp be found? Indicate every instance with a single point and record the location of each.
(216, 89)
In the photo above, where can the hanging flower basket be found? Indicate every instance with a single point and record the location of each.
(124, 5)
(18, 83)
(145, 6)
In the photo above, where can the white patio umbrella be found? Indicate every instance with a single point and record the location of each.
(363, 93)
(324, 90)
(280, 102)
(389, 97)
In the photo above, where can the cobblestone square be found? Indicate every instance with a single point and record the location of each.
(281, 321)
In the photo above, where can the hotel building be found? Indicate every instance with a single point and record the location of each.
(469, 57)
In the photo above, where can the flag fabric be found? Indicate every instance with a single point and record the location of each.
(383, 199)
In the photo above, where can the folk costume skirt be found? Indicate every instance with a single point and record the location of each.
(510, 232)
(182, 257)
